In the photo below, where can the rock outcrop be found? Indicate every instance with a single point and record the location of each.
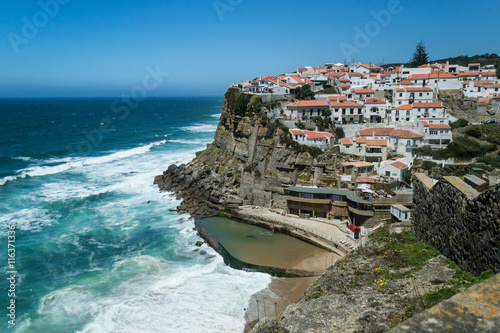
(250, 161)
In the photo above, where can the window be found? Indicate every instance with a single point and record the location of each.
(420, 94)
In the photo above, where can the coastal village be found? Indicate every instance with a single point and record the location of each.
(393, 171)
(384, 115)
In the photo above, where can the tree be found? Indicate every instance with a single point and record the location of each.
(305, 92)
(300, 125)
(420, 57)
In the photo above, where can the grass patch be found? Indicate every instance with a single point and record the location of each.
(329, 181)
(402, 250)
(459, 282)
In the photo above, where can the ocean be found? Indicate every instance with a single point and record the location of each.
(97, 248)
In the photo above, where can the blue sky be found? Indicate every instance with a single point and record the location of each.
(102, 48)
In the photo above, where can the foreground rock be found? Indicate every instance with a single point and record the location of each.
(474, 310)
(378, 287)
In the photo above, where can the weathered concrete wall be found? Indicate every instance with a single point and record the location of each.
(461, 223)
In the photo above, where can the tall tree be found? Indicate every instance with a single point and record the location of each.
(420, 57)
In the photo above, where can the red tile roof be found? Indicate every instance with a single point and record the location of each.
(346, 142)
(312, 134)
(425, 123)
(345, 104)
(404, 134)
(363, 91)
(428, 105)
(374, 101)
(364, 179)
(376, 131)
(319, 102)
(406, 83)
(360, 140)
(468, 74)
(418, 89)
(435, 75)
(404, 107)
(376, 143)
(482, 101)
(427, 65)
(337, 98)
(371, 66)
(439, 126)
(399, 165)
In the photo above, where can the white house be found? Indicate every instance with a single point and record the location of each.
(305, 110)
(364, 68)
(311, 138)
(344, 111)
(363, 94)
(436, 132)
(406, 72)
(436, 79)
(401, 212)
(375, 110)
(393, 169)
(412, 112)
(404, 142)
(371, 150)
(411, 94)
(482, 88)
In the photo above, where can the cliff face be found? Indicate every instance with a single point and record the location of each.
(249, 162)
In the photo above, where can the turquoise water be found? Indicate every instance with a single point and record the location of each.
(97, 249)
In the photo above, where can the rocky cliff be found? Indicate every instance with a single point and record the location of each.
(250, 161)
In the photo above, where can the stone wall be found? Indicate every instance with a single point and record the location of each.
(461, 223)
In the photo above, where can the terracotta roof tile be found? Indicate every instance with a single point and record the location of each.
(364, 179)
(428, 105)
(377, 131)
(439, 126)
(363, 91)
(346, 141)
(320, 102)
(376, 143)
(404, 134)
(374, 101)
(404, 107)
(399, 165)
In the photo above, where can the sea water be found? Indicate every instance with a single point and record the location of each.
(97, 248)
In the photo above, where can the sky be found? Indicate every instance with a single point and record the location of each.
(76, 48)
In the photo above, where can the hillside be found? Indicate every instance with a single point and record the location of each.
(463, 60)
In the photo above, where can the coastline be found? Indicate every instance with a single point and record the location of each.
(292, 274)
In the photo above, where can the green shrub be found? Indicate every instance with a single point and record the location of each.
(459, 123)
(474, 131)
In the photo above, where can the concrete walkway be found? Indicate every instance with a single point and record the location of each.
(330, 234)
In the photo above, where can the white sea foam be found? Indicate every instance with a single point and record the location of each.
(70, 163)
(22, 158)
(200, 128)
(32, 219)
(168, 298)
(191, 142)
(217, 115)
